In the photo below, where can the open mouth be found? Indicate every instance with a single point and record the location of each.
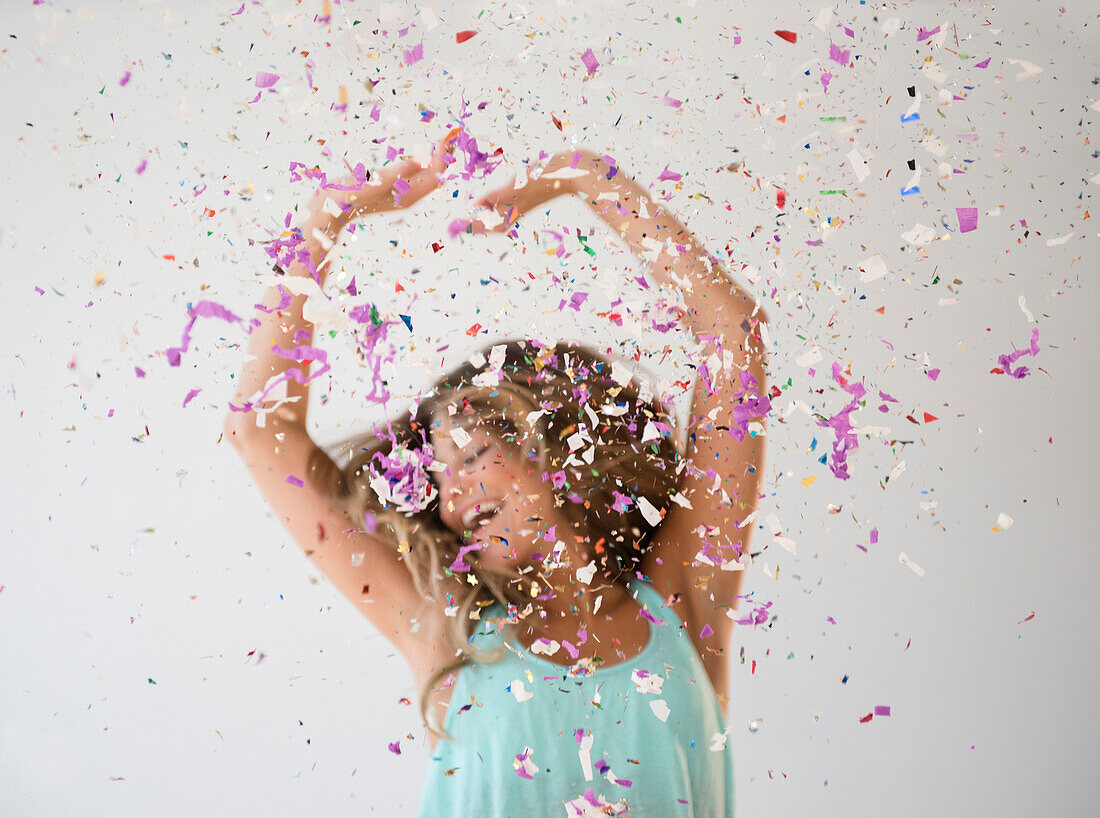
(476, 518)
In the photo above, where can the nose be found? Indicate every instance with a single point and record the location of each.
(450, 484)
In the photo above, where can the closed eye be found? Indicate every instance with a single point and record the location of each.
(469, 461)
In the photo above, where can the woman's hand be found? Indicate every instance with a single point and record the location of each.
(509, 202)
(396, 187)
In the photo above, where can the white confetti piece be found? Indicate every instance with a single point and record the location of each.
(460, 437)
(871, 268)
(521, 693)
(647, 682)
(585, 754)
(859, 164)
(652, 515)
(810, 357)
(585, 574)
(545, 647)
(620, 373)
(912, 566)
(660, 709)
(1004, 522)
(1030, 69)
(920, 234)
(1027, 313)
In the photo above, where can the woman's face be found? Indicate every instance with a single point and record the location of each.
(491, 490)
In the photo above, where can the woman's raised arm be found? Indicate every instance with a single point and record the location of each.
(725, 458)
(280, 452)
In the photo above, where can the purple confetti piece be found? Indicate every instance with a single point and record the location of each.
(1006, 361)
(395, 747)
(669, 175)
(204, 309)
(839, 55)
(125, 79)
(294, 481)
(968, 218)
(923, 33)
(413, 55)
(706, 631)
(265, 79)
(190, 396)
(983, 64)
(590, 63)
(882, 710)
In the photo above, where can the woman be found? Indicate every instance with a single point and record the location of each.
(559, 572)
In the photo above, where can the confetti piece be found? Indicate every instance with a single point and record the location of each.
(590, 62)
(839, 55)
(968, 218)
(463, 36)
(912, 566)
(1005, 362)
(871, 268)
(265, 79)
(789, 36)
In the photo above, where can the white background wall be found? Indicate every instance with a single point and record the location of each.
(140, 568)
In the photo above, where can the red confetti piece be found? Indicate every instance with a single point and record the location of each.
(789, 36)
(463, 36)
(474, 330)
(929, 418)
(867, 718)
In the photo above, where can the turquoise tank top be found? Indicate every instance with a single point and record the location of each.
(645, 737)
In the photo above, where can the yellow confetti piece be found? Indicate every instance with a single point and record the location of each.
(809, 480)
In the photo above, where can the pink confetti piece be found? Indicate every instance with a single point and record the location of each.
(1005, 362)
(840, 423)
(124, 80)
(395, 747)
(838, 55)
(203, 309)
(758, 616)
(669, 175)
(294, 481)
(924, 33)
(983, 64)
(238, 11)
(590, 62)
(882, 710)
(265, 79)
(968, 218)
(413, 55)
(932, 374)
(190, 396)
(140, 169)
(706, 631)
(139, 372)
